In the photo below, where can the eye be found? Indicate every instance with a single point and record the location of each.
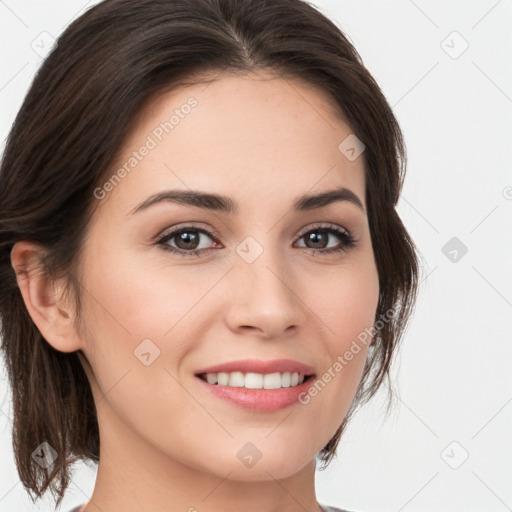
(318, 237)
(192, 241)
(188, 240)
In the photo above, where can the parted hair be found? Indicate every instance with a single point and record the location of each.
(79, 110)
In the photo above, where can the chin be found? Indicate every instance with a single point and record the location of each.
(251, 464)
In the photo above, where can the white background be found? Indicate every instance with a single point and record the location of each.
(453, 370)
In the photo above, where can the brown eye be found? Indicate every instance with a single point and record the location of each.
(318, 239)
(186, 240)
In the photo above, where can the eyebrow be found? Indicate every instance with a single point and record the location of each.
(225, 204)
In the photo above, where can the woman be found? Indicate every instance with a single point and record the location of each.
(204, 274)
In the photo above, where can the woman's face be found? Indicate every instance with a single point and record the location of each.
(264, 286)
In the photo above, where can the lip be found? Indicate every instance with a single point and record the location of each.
(258, 400)
(261, 400)
(260, 366)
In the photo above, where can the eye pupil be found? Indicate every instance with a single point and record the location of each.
(187, 237)
(316, 238)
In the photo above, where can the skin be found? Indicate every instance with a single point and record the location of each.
(167, 444)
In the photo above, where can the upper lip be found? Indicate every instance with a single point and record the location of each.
(260, 366)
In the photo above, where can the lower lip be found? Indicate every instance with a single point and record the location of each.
(264, 400)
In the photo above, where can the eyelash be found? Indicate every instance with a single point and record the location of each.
(348, 241)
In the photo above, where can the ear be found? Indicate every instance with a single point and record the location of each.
(43, 298)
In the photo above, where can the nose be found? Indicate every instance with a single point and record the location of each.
(265, 299)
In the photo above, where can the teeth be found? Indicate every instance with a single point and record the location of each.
(255, 380)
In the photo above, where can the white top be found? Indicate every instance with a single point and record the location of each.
(325, 508)
(330, 508)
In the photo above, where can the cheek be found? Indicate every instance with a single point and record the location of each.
(128, 313)
(136, 315)
(346, 307)
(131, 301)
(346, 301)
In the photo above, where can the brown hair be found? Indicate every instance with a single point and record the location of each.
(80, 108)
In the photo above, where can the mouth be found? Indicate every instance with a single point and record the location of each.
(257, 392)
(252, 380)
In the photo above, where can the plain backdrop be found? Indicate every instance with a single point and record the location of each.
(445, 67)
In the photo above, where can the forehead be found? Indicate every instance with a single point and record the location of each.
(250, 136)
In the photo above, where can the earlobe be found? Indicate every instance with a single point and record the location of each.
(43, 298)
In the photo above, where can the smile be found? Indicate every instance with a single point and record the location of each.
(252, 380)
